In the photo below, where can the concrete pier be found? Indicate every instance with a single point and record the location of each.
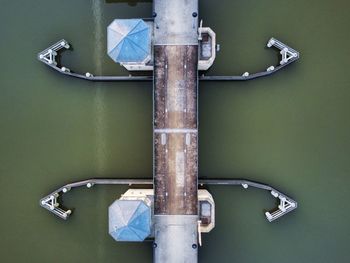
(175, 131)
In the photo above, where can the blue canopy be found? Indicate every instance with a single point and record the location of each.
(129, 220)
(128, 40)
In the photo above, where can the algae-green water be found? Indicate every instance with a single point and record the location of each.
(290, 130)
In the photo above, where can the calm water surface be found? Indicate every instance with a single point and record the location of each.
(290, 130)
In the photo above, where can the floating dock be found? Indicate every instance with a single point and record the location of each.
(175, 47)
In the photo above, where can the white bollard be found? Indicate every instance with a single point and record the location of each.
(270, 69)
(245, 186)
(274, 194)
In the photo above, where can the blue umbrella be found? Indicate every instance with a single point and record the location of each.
(129, 220)
(129, 40)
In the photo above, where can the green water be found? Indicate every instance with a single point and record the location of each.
(290, 130)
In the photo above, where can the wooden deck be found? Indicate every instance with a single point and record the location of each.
(175, 129)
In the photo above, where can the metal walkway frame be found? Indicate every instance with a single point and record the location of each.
(51, 203)
(48, 56)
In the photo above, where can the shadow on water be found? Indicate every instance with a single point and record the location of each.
(130, 2)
